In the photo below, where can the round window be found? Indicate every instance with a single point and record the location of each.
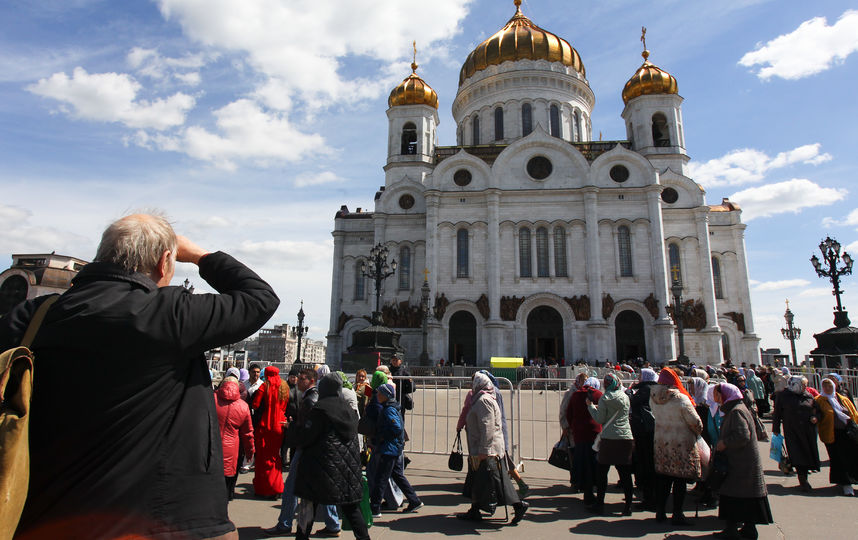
(539, 167)
(462, 177)
(406, 201)
(669, 195)
(619, 173)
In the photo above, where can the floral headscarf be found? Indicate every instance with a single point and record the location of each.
(796, 384)
(593, 383)
(698, 388)
(612, 382)
(345, 379)
(482, 384)
(648, 375)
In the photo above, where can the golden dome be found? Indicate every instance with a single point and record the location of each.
(520, 39)
(649, 79)
(413, 91)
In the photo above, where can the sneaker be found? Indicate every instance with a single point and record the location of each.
(327, 533)
(413, 507)
(278, 530)
(244, 470)
(848, 491)
(376, 515)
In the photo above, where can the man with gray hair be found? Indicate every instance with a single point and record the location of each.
(123, 431)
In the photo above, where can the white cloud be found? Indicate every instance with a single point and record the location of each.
(783, 197)
(315, 179)
(112, 97)
(747, 165)
(852, 246)
(150, 63)
(21, 236)
(849, 220)
(811, 48)
(300, 46)
(816, 292)
(782, 284)
(246, 132)
(307, 254)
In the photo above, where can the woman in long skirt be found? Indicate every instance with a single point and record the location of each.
(835, 412)
(270, 401)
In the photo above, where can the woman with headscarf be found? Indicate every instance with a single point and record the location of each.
(236, 429)
(758, 389)
(617, 444)
(835, 412)
(676, 429)
(584, 430)
(270, 402)
(743, 496)
(643, 429)
(795, 410)
(839, 387)
(329, 471)
(487, 452)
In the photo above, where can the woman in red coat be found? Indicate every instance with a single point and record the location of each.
(233, 416)
(270, 402)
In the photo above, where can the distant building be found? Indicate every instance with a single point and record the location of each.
(313, 351)
(280, 345)
(773, 357)
(33, 275)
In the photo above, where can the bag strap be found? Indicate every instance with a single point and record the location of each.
(610, 420)
(457, 442)
(37, 320)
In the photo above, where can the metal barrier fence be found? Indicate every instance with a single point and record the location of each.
(815, 376)
(538, 415)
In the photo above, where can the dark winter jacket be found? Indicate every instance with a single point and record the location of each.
(795, 412)
(404, 386)
(640, 417)
(389, 434)
(142, 454)
(745, 473)
(329, 471)
(295, 432)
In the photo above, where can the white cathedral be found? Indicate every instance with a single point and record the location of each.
(536, 241)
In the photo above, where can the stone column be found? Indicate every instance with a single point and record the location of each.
(598, 336)
(750, 341)
(663, 328)
(493, 256)
(707, 287)
(335, 341)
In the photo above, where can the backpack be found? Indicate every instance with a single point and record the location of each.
(16, 389)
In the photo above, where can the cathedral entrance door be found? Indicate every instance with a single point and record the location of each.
(545, 334)
(462, 347)
(631, 341)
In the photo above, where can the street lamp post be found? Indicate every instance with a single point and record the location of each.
(678, 312)
(187, 285)
(424, 306)
(831, 255)
(791, 332)
(300, 330)
(378, 270)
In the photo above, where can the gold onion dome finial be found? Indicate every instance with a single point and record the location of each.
(413, 90)
(649, 79)
(520, 39)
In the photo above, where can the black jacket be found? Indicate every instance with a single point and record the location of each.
(329, 471)
(404, 386)
(641, 418)
(295, 432)
(124, 433)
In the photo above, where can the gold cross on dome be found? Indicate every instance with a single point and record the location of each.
(643, 36)
(414, 61)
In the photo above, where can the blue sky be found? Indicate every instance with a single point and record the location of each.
(250, 123)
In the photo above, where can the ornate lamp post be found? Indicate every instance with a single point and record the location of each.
(300, 330)
(830, 249)
(678, 312)
(791, 332)
(188, 287)
(424, 306)
(378, 270)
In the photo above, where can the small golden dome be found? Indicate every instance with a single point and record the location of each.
(520, 39)
(413, 91)
(649, 79)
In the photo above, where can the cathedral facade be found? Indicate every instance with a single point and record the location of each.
(534, 240)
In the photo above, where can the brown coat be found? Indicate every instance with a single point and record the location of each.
(739, 434)
(676, 429)
(826, 416)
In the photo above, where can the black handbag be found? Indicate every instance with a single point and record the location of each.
(718, 470)
(456, 461)
(852, 430)
(560, 455)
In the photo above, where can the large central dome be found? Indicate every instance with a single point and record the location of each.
(520, 39)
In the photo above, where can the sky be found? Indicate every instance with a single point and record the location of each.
(250, 123)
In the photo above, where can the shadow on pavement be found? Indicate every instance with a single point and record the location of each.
(634, 527)
(433, 523)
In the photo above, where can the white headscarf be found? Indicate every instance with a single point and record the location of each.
(593, 382)
(796, 384)
(714, 407)
(648, 375)
(834, 401)
(482, 385)
(698, 389)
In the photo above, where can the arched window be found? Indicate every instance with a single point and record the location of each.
(560, 252)
(542, 252)
(404, 267)
(575, 134)
(459, 136)
(624, 243)
(675, 263)
(716, 277)
(360, 287)
(526, 120)
(660, 133)
(476, 135)
(462, 253)
(524, 252)
(725, 347)
(554, 120)
(499, 123)
(409, 139)
(580, 121)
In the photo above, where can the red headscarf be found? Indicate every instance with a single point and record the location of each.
(670, 378)
(274, 410)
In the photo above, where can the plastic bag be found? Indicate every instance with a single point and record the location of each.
(776, 449)
(705, 454)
